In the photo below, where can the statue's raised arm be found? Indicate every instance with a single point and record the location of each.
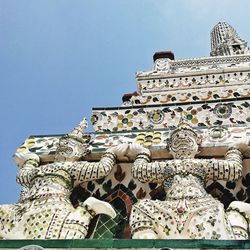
(229, 169)
(143, 169)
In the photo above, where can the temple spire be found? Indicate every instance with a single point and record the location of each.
(225, 41)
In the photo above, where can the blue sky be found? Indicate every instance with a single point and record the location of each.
(60, 58)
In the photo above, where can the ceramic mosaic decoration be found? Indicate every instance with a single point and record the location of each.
(142, 173)
(188, 212)
(45, 210)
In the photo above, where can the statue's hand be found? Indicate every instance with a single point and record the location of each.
(135, 149)
(120, 151)
(20, 158)
(241, 144)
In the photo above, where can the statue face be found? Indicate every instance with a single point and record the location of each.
(70, 150)
(183, 144)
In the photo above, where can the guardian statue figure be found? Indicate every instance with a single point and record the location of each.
(188, 212)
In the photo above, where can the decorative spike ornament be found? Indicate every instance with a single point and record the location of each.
(78, 132)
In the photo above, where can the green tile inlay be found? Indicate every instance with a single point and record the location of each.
(119, 244)
(105, 228)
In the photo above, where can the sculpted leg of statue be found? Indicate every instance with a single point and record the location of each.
(48, 212)
(7, 219)
(145, 234)
(100, 207)
(238, 214)
(188, 212)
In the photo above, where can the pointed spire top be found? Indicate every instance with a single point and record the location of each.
(183, 124)
(226, 41)
(78, 132)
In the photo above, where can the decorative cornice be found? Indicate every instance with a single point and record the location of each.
(211, 60)
(171, 67)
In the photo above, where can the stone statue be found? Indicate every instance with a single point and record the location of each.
(44, 211)
(188, 212)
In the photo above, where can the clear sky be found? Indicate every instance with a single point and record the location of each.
(60, 58)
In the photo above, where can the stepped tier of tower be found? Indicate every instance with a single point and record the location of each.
(212, 93)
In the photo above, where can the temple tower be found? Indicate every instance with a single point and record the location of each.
(225, 41)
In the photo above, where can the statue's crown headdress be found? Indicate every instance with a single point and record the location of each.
(184, 125)
(78, 132)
